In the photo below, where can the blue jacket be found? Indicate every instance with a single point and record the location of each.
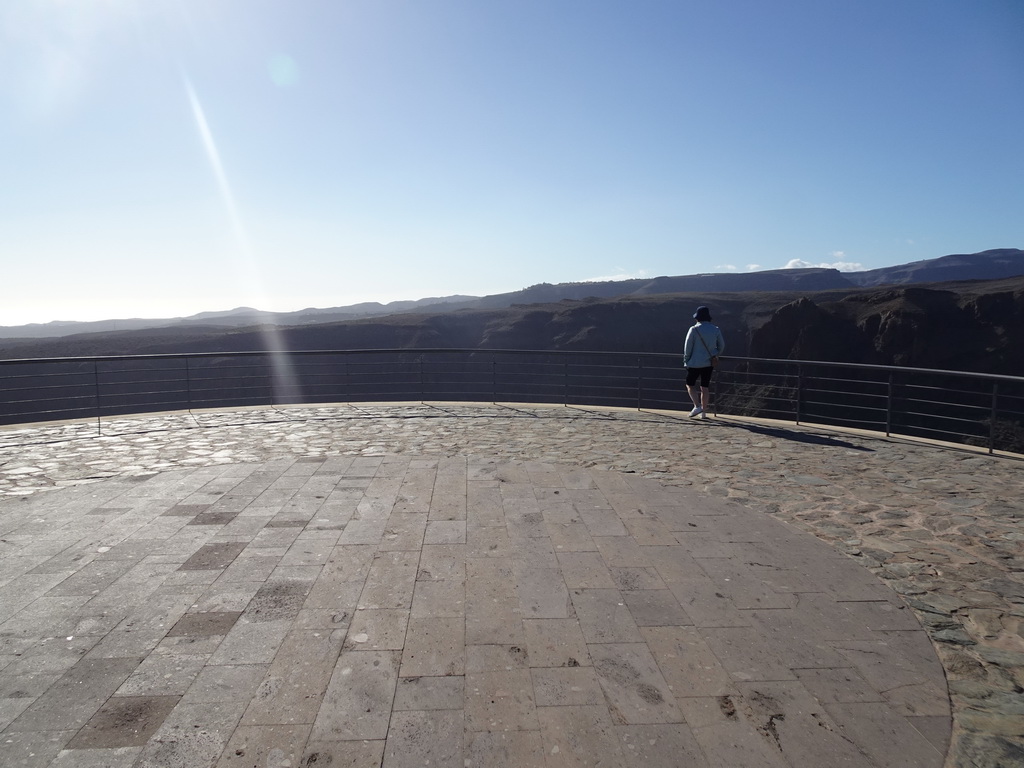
(694, 353)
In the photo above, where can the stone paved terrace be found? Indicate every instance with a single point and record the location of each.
(489, 585)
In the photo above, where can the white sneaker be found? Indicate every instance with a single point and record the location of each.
(703, 415)
(697, 411)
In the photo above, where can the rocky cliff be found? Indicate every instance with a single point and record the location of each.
(972, 327)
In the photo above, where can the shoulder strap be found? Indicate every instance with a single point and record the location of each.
(696, 329)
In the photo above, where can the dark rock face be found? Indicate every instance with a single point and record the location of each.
(803, 330)
(953, 329)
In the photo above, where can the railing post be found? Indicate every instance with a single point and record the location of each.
(799, 391)
(639, 382)
(565, 379)
(188, 387)
(713, 394)
(494, 380)
(993, 417)
(419, 366)
(888, 407)
(269, 363)
(96, 384)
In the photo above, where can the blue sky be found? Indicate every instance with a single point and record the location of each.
(166, 157)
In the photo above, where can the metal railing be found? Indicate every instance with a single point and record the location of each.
(967, 408)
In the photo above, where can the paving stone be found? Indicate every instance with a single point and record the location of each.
(434, 647)
(266, 745)
(115, 757)
(660, 746)
(417, 738)
(249, 568)
(844, 685)
(633, 685)
(404, 532)
(430, 693)
(213, 556)
(364, 531)
(688, 662)
(193, 734)
(377, 630)
(163, 675)
(488, 542)
(390, 582)
(29, 749)
(655, 608)
(445, 532)
(633, 579)
(585, 570)
(441, 562)
(75, 696)
(439, 599)
(936, 728)
(278, 599)
(604, 617)
(727, 736)
(500, 700)
(493, 613)
(51, 656)
(485, 658)
(743, 584)
(602, 522)
(556, 643)
(888, 668)
(570, 536)
(542, 593)
(505, 749)
(706, 605)
(124, 721)
(297, 679)
(251, 643)
(534, 552)
(580, 736)
(357, 704)
(204, 624)
(343, 754)
(789, 717)
(887, 738)
(566, 686)
(226, 683)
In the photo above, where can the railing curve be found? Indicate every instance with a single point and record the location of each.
(955, 406)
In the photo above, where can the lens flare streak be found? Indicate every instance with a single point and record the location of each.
(284, 381)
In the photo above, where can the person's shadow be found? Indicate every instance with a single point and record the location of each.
(797, 437)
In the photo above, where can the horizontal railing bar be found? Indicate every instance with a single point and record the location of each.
(483, 352)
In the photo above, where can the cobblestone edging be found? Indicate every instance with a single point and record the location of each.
(943, 527)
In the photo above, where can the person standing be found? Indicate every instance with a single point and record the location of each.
(704, 343)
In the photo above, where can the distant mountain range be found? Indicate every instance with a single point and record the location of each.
(987, 265)
(946, 313)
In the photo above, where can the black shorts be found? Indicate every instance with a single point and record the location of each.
(704, 374)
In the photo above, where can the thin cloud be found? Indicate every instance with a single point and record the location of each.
(842, 266)
(734, 268)
(623, 275)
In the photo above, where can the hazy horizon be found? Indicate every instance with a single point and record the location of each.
(172, 157)
(793, 264)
